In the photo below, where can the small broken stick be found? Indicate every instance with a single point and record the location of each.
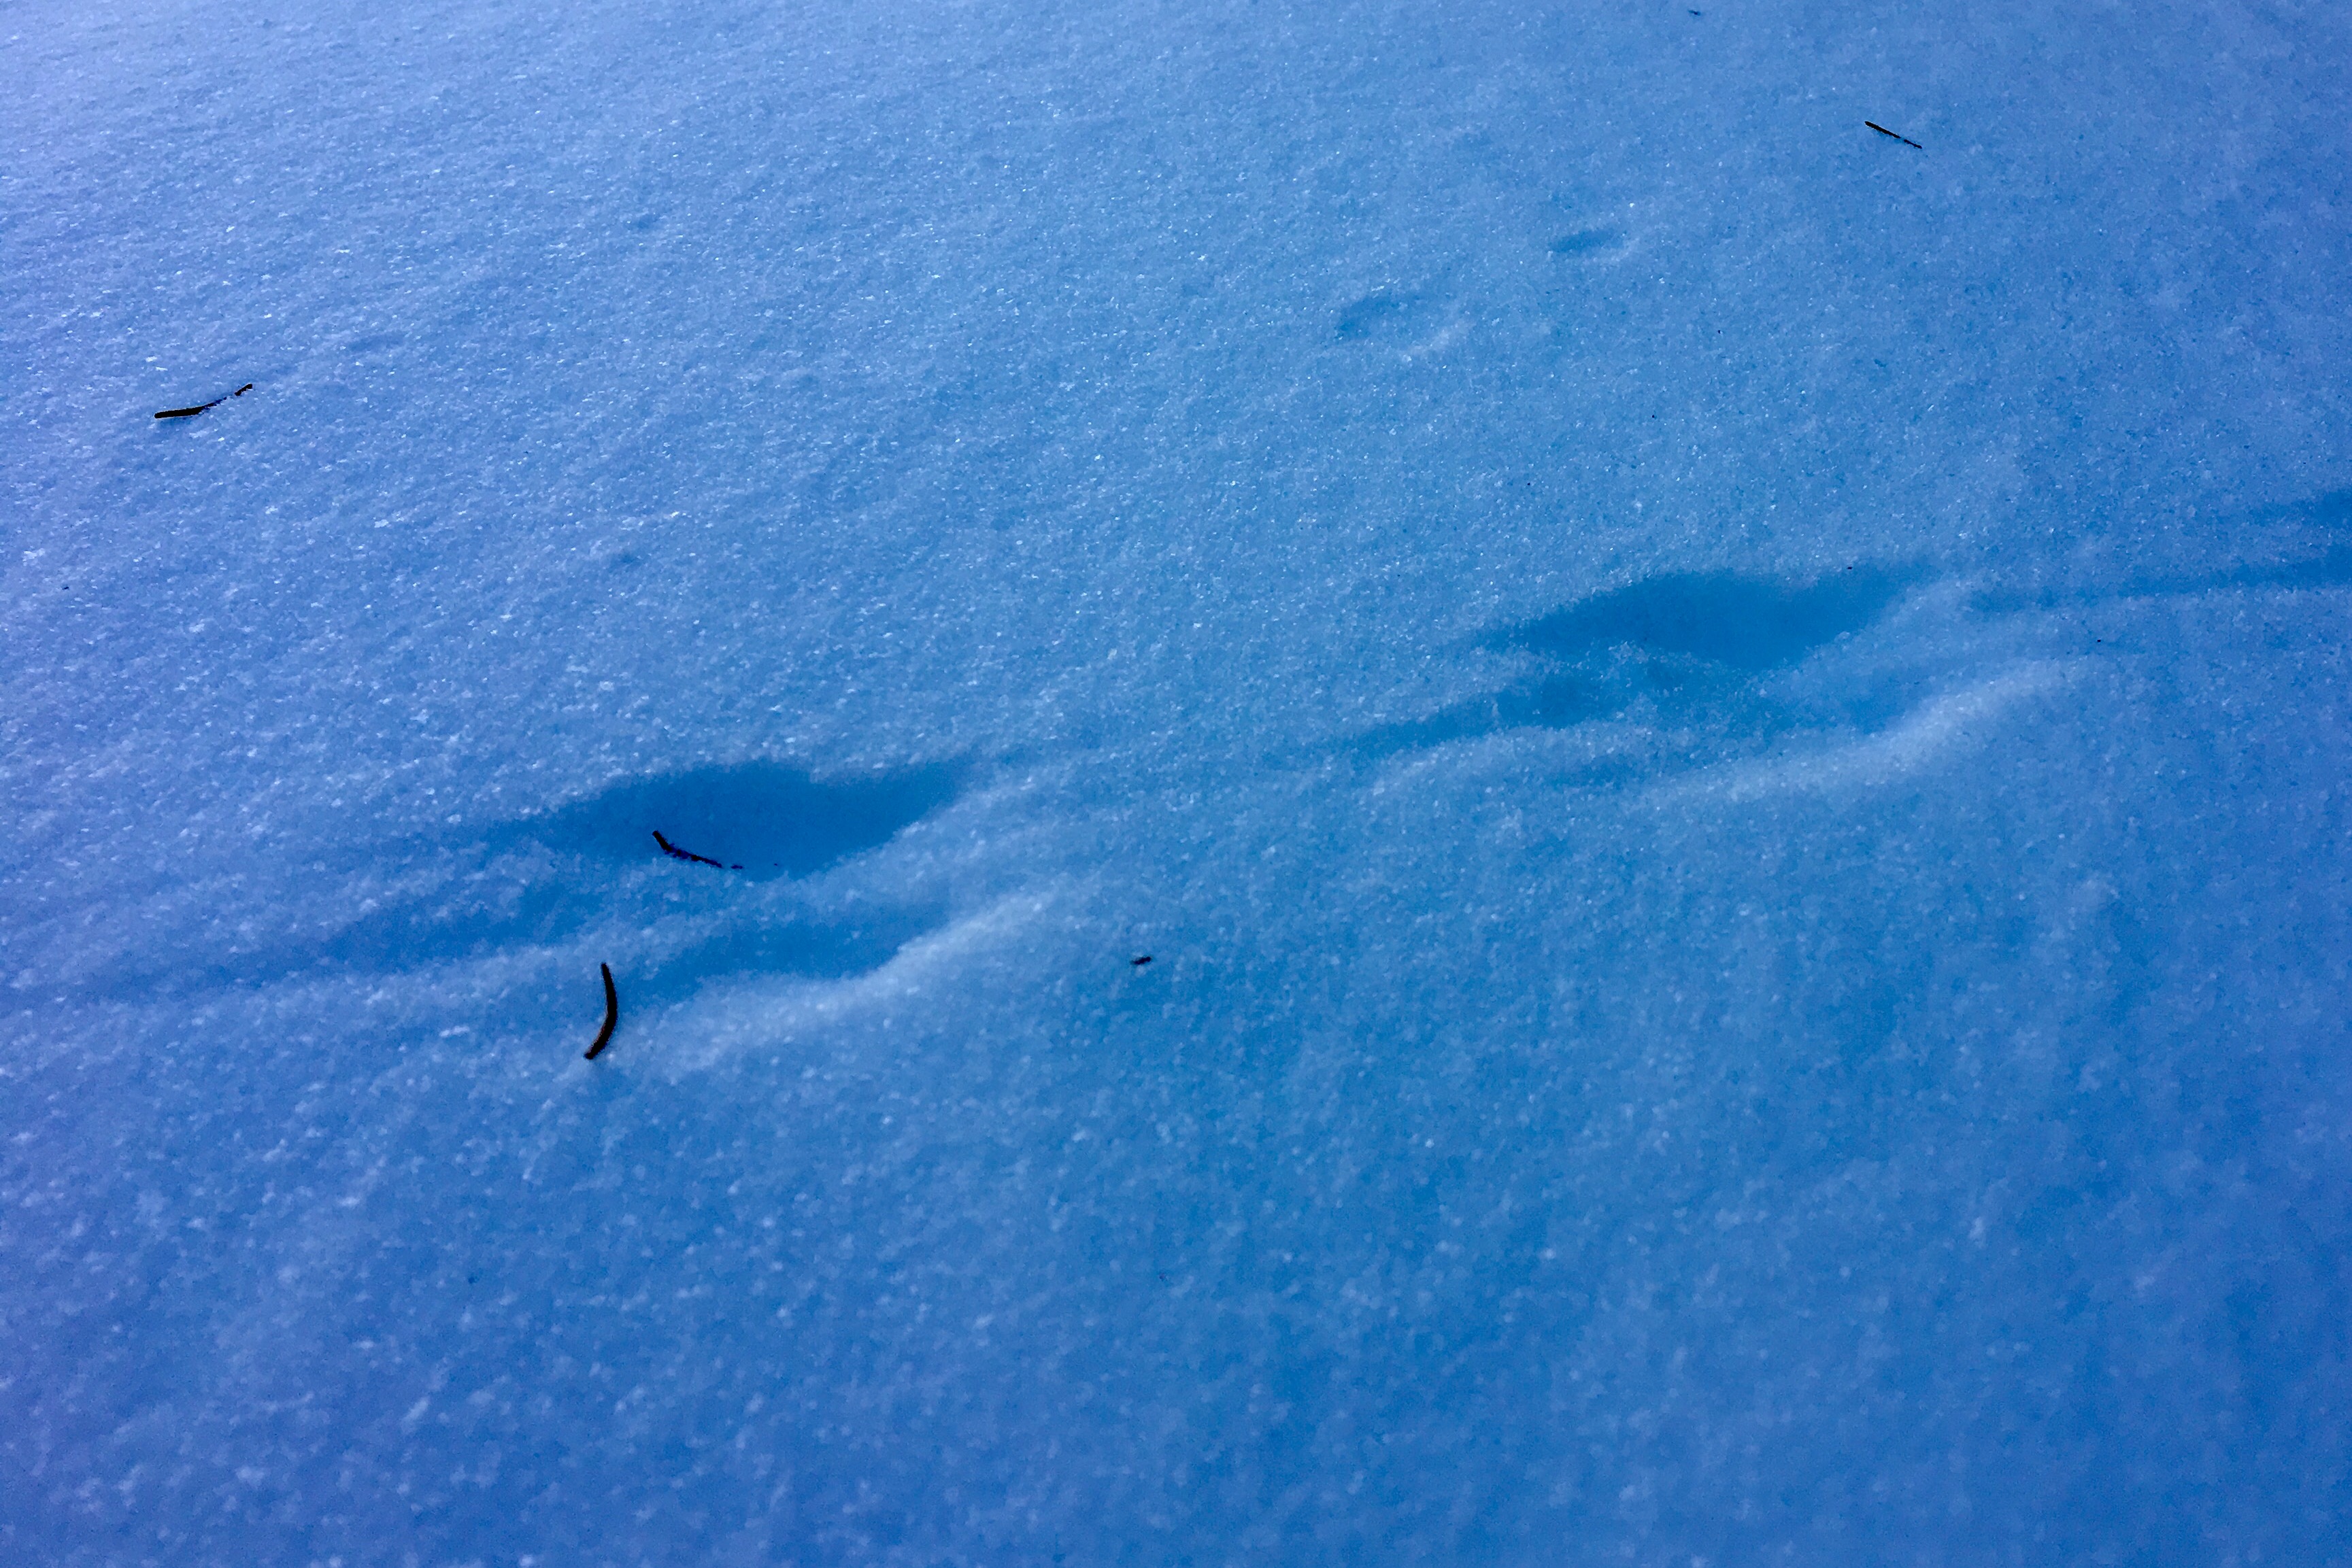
(192, 413)
(611, 1013)
(1138, 963)
(1896, 134)
(676, 853)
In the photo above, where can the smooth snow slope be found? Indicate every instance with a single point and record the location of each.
(1729, 737)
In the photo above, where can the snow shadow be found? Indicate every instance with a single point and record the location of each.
(1384, 317)
(548, 879)
(1681, 645)
(2300, 546)
(761, 820)
(1746, 624)
(1586, 242)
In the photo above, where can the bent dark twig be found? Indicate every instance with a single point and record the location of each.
(611, 1013)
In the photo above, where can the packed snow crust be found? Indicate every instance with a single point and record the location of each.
(1729, 741)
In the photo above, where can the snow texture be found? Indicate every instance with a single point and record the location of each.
(1728, 737)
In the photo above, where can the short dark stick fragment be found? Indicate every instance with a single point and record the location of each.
(611, 1013)
(674, 852)
(1897, 135)
(1138, 963)
(192, 413)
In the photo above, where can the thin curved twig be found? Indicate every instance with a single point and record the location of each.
(611, 1012)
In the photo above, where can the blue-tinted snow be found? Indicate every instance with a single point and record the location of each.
(1730, 740)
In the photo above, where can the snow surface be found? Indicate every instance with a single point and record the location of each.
(1729, 740)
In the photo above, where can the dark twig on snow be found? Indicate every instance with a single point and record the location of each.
(611, 1013)
(192, 413)
(676, 853)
